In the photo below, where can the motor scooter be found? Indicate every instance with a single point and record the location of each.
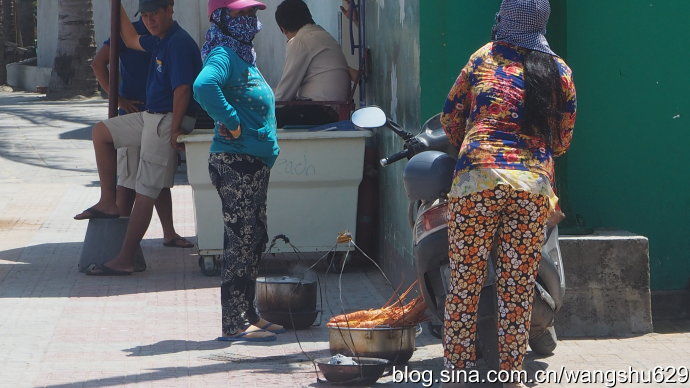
(428, 178)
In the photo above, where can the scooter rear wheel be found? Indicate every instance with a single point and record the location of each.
(545, 342)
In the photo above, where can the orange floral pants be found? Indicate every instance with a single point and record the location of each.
(518, 219)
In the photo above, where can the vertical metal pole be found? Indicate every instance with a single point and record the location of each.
(363, 51)
(114, 81)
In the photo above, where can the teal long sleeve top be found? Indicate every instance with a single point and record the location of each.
(234, 93)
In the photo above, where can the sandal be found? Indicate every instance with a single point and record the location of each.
(269, 324)
(183, 243)
(243, 337)
(103, 270)
(91, 214)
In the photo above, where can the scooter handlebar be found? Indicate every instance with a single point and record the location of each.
(394, 158)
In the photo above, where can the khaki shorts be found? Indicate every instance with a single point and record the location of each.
(128, 166)
(150, 133)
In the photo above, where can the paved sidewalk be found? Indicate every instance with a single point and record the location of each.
(61, 328)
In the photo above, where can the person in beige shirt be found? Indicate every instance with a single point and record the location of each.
(315, 68)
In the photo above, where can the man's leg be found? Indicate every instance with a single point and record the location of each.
(126, 132)
(127, 166)
(152, 172)
(106, 162)
(165, 213)
(125, 200)
(139, 222)
(164, 210)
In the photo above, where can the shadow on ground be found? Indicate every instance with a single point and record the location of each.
(160, 374)
(229, 362)
(50, 271)
(32, 129)
(77, 134)
(672, 326)
(174, 346)
(37, 110)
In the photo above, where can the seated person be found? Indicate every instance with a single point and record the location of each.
(315, 68)
(169, 113)
(134, 67)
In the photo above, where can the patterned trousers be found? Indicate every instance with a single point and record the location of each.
(242, 184)
(518, 219)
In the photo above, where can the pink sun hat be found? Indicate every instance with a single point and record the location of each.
(233, 5)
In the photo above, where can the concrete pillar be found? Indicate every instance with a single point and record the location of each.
(607, 285)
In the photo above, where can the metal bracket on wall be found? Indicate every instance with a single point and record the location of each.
(357, 15)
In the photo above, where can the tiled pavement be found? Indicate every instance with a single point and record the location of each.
(60, 328)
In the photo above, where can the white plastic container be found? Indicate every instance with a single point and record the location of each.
(312, 193)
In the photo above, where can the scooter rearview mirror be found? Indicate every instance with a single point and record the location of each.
(369, 117)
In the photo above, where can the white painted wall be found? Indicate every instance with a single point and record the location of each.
(47, 31)
(270, 42)
(192, 16)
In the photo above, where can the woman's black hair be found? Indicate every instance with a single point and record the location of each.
(292, 15)
(544, 97)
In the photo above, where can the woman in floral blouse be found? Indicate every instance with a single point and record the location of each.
(511, 110)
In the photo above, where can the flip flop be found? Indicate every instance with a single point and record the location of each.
(279, 331)
(243, 337)
(173, 243)
(92, 213)
(102, 270)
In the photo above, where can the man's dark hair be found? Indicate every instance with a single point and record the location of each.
(292, 15)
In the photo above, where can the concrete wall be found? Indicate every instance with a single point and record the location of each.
(47, 25)
(628, 165)
(270, 42)
(47, 31)
(393, 84)
(25, 76)
(101, 17)
(192, 16)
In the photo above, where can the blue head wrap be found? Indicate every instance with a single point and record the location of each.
(234, 32)
(523, 23)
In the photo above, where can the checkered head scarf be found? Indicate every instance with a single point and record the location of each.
(523, 23)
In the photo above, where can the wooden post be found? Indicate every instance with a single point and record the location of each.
(114, 81)
(3, 71)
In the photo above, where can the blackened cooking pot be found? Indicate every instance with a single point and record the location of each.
(287, 300)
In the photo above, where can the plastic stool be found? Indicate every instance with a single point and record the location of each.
(103, 241)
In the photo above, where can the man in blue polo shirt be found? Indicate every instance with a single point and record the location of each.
(175, 63)
(134, 67)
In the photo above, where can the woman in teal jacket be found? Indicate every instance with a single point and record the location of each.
(234, 93)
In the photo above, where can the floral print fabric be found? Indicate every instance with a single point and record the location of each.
(484, 109)
(242, 184)
(518, 220)
(487, 178)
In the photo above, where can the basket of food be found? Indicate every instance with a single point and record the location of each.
(388, 332)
